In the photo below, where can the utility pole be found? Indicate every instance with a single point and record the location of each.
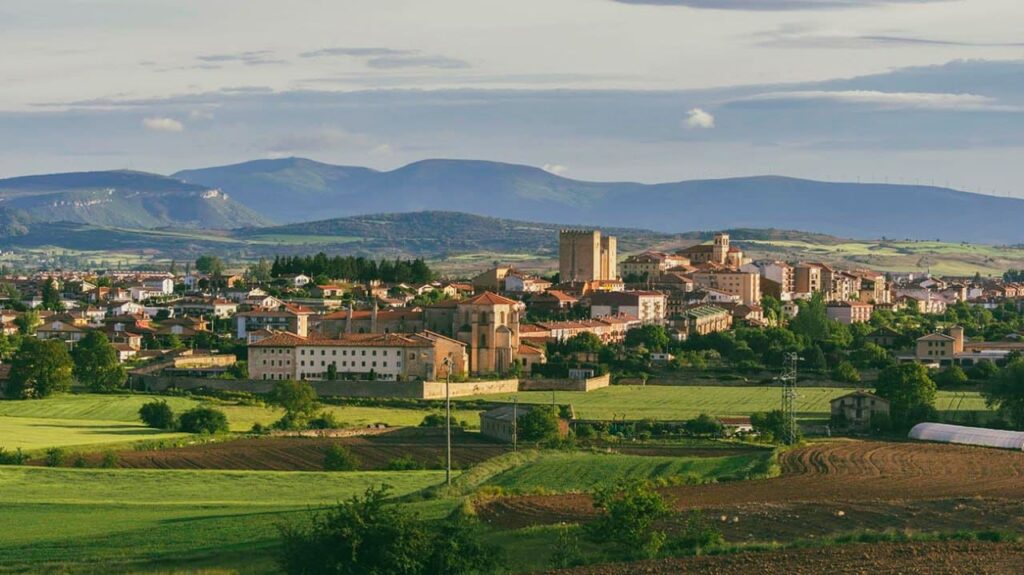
(448, 422)
(515, 423)
(788, 379)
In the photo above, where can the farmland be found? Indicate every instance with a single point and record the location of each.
(684, 402)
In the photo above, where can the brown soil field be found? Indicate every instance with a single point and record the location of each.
(947, 558)
(374, 452)
(839, 472)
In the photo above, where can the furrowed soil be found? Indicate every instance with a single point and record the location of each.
(373, 452)
(830, 487)
(946, 558)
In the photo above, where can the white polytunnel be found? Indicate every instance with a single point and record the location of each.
(946, 433)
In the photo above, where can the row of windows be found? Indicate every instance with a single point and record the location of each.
(345, 352)
(346, 363)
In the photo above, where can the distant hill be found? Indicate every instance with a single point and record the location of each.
(295, 189)
(123, 199)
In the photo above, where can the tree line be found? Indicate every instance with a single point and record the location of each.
(355, 268)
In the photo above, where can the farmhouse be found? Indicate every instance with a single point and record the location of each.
(855, 410)
(500, 423)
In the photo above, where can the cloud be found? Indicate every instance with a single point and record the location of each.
(439, 62)
(358, 52)
(699, 119)
(556, 169)
(889, 100)
(314, 140)
(197, 115)
(249, 58)
(773, 5)
(804, 36)
(163, 125)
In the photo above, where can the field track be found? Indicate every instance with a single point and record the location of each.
(834, 472)
(948, 558)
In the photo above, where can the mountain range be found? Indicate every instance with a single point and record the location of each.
(296, 190)
(122, 199)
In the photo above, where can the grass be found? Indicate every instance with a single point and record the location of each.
(551, 471)
(685, 402)
(89, 406)
(34, 434)
(142, 515)
(242, 417)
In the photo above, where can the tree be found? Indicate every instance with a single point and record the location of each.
(811, 320)
(362, 535)
(652, 337)
(203, 420)
(40, 368)
(703, 424)
(1005, 392)
(339, 458)
(96, 363)
(52, 299)
(157, 414)
(260, 272)
(952, 376)
(911, 393)
(846, 373)
(540, 424)
(210, 265)
(27, 322)
(298, 398)
(773, 426)
(626, 521)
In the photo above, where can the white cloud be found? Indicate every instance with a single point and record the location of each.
(894, 100)
(557, 169)
(382, 150)
(197, 115)
(163, 125)
(699, 119)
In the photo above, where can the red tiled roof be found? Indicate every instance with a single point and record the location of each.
(489, 298)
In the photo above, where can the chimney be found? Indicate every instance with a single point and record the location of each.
(373, 317)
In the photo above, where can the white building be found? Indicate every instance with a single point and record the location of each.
(159, 286)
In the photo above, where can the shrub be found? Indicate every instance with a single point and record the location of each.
(404, 463)
(55, 457)
(436, 420)
(567, 552)
(109, 460)
(16, 457)
(325, 420)
(846, 373)
(79, 461)
(157, 414)
(703, 424)
(339, 458)
(203, 420)
(539, 425)
(697, 534)
(626, 520)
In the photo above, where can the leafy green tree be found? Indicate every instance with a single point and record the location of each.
(96, 363)
(871, 355)
(27, 322)
(627, 520)
(157, 414)
(210, 265)
(40, 368)
(361, 536)
(1005, 392)
(298, 398)
(911, 393)
(703, 424)
(846, 373)
(952, 376)
(52, 299)
(652, 337)
(585, 342)
(260, 272)
(458, 549)
(540, 424)
(983, 370)
(203, 420)
(811, 320)
(340, 458)
(773, 426)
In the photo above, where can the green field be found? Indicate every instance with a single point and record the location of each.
(685, 402)
(32, 433)
(85, 516)
(590, 470)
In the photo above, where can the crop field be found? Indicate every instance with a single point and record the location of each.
(372, 452)
(31, 433)
(143, 515)
(684, 402)
(590, 470)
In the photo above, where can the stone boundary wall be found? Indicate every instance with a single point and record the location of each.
(548, 384)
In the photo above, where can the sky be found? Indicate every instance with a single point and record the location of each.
(916, 91)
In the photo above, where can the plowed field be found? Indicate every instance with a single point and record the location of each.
(950, 558)
(837, 472)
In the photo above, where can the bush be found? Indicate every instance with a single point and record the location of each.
(703, 424)
(109, 460)
(539, 425)
(404, 463)
(79, 461)
(697, 534)
(203, 420)
(55, 457)
(436, 420)
(846, 373)
(626, 521)
(157, 414)
(16, 457)
(339, 458)
(325, 420)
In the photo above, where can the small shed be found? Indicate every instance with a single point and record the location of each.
(855, 410)
(946, 433)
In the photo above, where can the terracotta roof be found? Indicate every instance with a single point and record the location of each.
(381, 315)
(286, 339)
(489, 298)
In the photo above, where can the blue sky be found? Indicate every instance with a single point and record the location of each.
(648, 90)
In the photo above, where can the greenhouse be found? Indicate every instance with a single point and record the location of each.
(945, 433)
